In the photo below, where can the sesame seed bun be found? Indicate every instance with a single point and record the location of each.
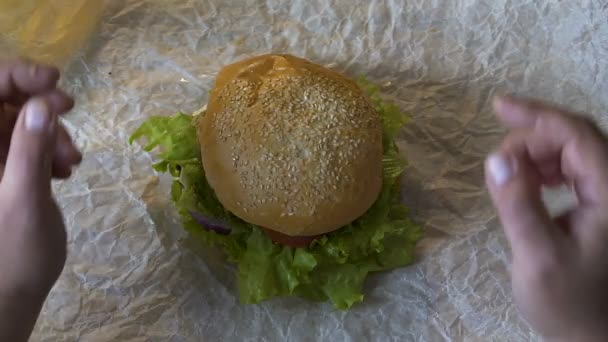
(291, 146)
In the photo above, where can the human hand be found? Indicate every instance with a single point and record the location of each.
(560, 266)
(19, 81)
(34, 148)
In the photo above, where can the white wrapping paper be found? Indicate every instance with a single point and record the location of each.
(130, 278)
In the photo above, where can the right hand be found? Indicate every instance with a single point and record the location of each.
(560, 266)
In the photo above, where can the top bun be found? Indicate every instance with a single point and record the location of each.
(291, 146)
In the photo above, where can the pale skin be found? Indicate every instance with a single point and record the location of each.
(34, 148)
(560, 266)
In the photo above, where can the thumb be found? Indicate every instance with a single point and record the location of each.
(515, 188)
(29, 163)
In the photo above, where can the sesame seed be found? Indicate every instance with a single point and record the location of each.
(290, 139)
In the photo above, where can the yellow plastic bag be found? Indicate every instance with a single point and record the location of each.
(49, 31)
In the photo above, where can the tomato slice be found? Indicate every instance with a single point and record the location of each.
(288, 240)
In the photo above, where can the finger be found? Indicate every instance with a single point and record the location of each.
(7, 122)
(551, 175)
(515, 189)
(66, 154)
(515, 112)
(66, 150)
(564, 139)
(61, 171)
(28, 166)
(549, 169)
(21, 79)
(59, 102)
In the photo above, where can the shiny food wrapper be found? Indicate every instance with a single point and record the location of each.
(130, 275)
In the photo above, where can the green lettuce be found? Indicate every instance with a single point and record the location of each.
(332, 268)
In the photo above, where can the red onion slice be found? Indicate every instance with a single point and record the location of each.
(211, 224)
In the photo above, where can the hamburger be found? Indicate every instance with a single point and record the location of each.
(292, 169)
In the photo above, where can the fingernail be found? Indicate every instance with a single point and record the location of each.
(500, 168)
(37, 116)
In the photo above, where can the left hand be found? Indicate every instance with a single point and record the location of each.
(19, 81)
(34, 148)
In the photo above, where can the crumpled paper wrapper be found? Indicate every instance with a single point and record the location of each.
(130, 277)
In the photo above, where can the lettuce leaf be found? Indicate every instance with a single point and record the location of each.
(334, 267)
